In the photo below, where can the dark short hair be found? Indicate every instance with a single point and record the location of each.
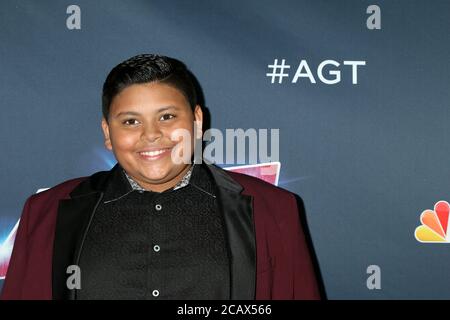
(145, 68)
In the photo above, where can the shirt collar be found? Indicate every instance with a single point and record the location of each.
(120, 184)
(182, 183)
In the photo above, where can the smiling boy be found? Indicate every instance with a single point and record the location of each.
(139, 126)
(153, 227)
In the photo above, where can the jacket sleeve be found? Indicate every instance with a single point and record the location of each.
(12, 286)
(306, 285)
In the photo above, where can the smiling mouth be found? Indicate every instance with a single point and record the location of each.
(154, 154)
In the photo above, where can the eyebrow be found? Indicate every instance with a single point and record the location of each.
(133, 113)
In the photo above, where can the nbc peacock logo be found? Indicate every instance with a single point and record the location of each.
(434, 228)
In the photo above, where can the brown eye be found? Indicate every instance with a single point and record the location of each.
(167, 116)
(130, 122)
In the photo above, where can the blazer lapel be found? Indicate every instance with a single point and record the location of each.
(237, 211)
(74, 216)
(72, 223)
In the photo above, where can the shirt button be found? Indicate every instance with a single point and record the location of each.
(156, 248)
(158, 207)
(155, 293)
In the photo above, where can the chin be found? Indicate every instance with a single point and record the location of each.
(156, 176)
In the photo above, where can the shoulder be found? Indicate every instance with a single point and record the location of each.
(266, 196)
(257, 187)
(58, 192)
(74, 187)
(275, 210)
(40, 209)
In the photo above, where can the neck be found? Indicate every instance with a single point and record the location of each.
(161, 187)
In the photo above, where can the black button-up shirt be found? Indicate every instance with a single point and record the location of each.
(149, 245)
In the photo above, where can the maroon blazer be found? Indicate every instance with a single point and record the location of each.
(269, 255)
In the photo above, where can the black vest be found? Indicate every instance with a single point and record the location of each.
(148, 245)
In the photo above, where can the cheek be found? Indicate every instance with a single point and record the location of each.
(124, 140)
(180, 132)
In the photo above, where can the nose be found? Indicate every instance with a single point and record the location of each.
(151, 132)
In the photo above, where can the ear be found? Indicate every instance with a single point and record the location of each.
(105, 128)
(198, 118)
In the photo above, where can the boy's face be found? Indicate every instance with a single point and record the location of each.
(142, 119)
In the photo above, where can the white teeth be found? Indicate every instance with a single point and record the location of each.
(152, 153)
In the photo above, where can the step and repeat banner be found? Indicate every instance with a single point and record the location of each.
(345, 103)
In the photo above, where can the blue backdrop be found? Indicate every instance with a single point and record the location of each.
(367, 158)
